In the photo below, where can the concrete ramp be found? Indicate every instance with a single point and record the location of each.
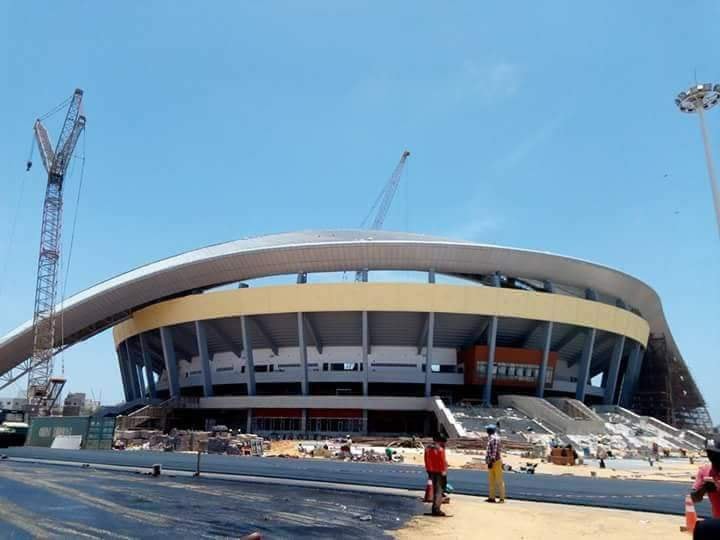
(446, 419)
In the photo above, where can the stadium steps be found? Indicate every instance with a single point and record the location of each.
(549, 415)
(575, 409)
(679, 437)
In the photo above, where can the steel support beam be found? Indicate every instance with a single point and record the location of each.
(249, 358)
(227, 342)
(492, 345)
(478, 334)
(365, 351)
(422, 337)
(147, 362)
(127, 390)
(171, 367)
(614, 370)
(429, 353)
(204, 353)
(132, 371)
(310, 327)
(584, 366)
(260, 327)
(632, 375)
(540, 390)
(567, 338)
(303, 353)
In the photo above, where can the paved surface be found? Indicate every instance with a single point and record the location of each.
(48, 501)
(644, 495)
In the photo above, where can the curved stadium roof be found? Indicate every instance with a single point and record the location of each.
(109, 302)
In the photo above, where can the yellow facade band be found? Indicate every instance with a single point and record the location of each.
(408, 297)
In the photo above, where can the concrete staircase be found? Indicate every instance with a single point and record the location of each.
(575, 409)
(690, 438)
(554, 418)
(150, 416)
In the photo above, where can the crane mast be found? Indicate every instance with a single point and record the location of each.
(384, 200)
(42, 389)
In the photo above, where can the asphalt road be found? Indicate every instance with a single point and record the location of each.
(46, 501)
(643, 495)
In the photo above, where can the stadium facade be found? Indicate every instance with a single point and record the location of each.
(458, 320)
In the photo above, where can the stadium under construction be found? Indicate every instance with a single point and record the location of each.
(369, 331)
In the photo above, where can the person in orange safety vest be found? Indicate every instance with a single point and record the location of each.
(436, 467)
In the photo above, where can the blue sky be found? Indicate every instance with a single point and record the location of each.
(546, 126)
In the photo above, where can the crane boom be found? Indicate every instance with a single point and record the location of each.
(384, 200)
(389, 191)
(42, 390)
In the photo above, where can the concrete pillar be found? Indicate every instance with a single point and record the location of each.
(431, 276)
(614, 370)
(429, 354)
(204, 353)
(248, 428)
(127, 390)
(147, 362)
(365, 360)
(365, 422)
(303, 353)
(492, 344)
(584, 364)
(141, 380)
(303, 421)
(632, 375)
(132, 371)
(249, 359)
(171, 367)
(542, 375)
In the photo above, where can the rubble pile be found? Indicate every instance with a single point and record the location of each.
(218, 441)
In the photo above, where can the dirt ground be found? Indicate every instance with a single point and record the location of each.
(471, 517)
(666, 471)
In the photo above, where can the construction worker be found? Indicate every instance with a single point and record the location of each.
(436, 467)
(493, 458)
(707, 479)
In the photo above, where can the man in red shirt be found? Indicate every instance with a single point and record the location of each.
(707, 480)
(436, 467)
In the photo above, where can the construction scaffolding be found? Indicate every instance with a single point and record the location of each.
(667, 390)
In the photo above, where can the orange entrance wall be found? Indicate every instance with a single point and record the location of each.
(472, 356)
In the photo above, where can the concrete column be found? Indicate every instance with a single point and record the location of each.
(248, 428)
(171, 367)
(303, 421)
(584, 364)
(141, 380)
(127, 390)
(632, 374)
(132, 371)
(431, 276)
(365, 360)
(249, 359)
(147, 362)
(365, 422)
(614, 370)
(542, 375)
(429, 354)
(492, 344)
(303, 353)
(204, 353)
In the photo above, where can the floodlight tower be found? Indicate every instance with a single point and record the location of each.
(698, 99)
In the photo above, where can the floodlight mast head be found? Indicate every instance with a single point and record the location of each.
(698, 97)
